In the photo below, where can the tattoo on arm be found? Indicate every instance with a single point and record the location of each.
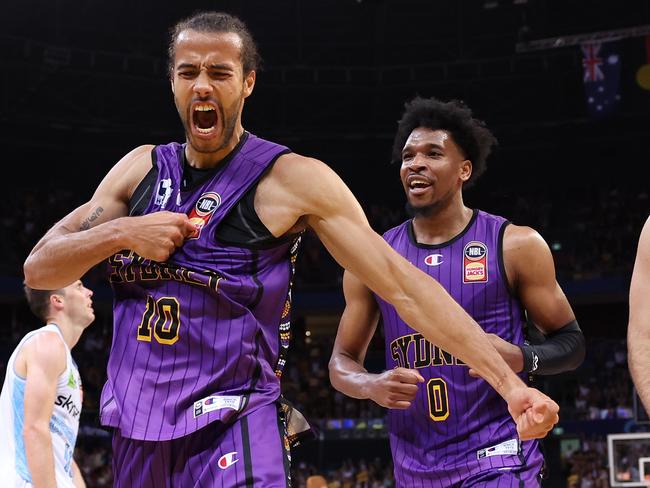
(85, 225)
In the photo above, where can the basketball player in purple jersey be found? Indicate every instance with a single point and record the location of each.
(449, 428)
(201, 239)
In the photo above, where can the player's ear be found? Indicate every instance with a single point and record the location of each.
(465, 170)
(249, 83)
(56, 300)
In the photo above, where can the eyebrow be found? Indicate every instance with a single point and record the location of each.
(224, 67)
(428, 145)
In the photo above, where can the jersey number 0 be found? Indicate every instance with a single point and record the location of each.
(438, 399)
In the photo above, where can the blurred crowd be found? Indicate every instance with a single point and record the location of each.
(359, 473)
(601, 388)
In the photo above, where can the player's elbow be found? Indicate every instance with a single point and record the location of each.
(31, 271)
(580, 351)
(335, 378)
(337, 371)
(35, 432)
(39, 277)
(576, 350)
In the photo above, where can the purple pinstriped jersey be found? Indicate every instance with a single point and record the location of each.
(201, 337)
(458, 425)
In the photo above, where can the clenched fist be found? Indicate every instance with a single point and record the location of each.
(156, 236)
(395, 388)
(534, 413)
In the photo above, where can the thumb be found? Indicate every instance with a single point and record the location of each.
(190, 227)
(539, 412)
(473, 373)
(407, 375)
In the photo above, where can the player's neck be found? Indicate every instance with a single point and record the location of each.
(70, 333)
(443, 223)
(204, 160)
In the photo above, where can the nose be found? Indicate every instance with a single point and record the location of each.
(202, 86)
(416, 163)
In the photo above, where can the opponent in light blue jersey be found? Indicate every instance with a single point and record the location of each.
(41, 398)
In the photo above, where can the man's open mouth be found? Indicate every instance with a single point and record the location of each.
(204, 118)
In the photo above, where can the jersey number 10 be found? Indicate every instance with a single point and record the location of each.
(165, 315)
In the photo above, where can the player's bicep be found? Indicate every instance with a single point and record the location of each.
(531, 269)
(109, 201)
(111, 198)
(358, 321)
(335, 215)
(45, 361)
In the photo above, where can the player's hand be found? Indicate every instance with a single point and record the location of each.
(156, 236)
(395, 388)
(534, 413)
(509, 352)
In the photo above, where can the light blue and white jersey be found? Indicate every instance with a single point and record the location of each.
(64, 423)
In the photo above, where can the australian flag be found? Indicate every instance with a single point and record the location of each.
(602, 67)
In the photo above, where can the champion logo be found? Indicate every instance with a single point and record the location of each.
(433, 260)
(227, 460)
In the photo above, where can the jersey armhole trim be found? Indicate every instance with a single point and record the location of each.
(501, 261)
(142, 191)
(264, 245)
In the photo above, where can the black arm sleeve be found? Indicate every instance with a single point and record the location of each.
(563, 350)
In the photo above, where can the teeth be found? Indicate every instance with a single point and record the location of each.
(418, 183)
(205, 131)
(203, 108)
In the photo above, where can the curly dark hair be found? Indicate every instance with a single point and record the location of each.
(470, 134)
(216, 22)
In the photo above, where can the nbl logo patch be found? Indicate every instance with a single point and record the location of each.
(202, 211)
(475, 269)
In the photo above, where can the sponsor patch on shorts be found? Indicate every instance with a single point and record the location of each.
(507, 448)
(214, 402)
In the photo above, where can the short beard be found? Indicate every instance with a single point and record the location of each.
(423, 211)
(228, 129)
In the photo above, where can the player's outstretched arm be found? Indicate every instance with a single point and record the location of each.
(395, 388)
(100, 228)
(638, 331)
(45, 358)
(314, 192)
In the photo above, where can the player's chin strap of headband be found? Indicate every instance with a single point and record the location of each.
(563, 350)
